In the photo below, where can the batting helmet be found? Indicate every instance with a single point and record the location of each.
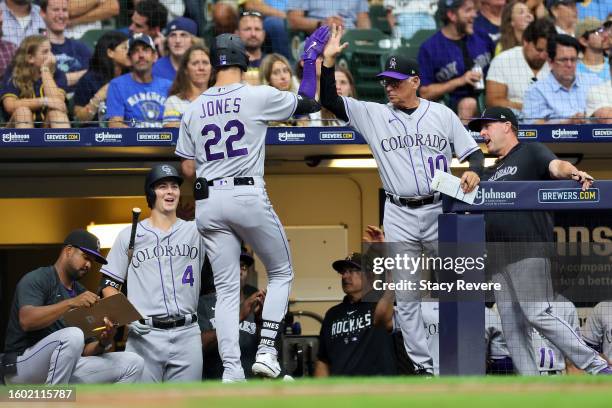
(228, 50)
(158, 173)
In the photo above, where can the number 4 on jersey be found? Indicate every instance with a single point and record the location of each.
(188, 276)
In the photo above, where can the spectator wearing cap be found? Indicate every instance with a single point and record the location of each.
(564, 14)
(561, 96)
(86, 15)
(275, 15)
(180, 35)
(448, 59)
(514, 70)
(599, 98)
(137, 99)
(354, 340)
(21, 19)
(251, 304)
(150, 17)
(407, 17)
(7, 50)
(43, 349)
(592, 37)
(72, 56)
(488, 19)
(308, 15)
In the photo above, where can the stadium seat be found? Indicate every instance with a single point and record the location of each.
(362, 57)
(90, 38)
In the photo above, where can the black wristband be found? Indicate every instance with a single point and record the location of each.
(319, 23)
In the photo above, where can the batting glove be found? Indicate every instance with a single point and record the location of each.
(139, 328)
(314, 45)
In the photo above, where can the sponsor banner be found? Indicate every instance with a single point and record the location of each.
(105, 137)
(159, 136)
(62, 137)
(17, 137)
(528, 134)
(602, 133)
(290, 136)
(336, 136)
(564, 133)
(534, 195)
(567, 195)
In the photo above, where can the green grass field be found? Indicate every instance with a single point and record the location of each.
(469, 392)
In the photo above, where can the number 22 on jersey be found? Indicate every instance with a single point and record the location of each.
(234, 129)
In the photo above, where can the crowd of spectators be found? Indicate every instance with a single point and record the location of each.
(548, 60)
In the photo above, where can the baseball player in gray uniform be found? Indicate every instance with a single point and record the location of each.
(410, 138)
(222, 142)
(498, 356)
(551, 360)
(163, 283)
(598, 329)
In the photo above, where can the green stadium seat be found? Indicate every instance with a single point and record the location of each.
(90, 38)
(362, 58)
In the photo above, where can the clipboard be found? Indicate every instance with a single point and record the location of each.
(117, 308)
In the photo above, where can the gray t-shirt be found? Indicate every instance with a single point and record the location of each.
(40, 287)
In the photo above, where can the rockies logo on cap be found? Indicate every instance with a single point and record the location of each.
(392, 63)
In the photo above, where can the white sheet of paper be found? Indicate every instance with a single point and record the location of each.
(450, 185)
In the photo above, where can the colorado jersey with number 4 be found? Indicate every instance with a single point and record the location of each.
(224, 129)
(409, 148)
(163, 278)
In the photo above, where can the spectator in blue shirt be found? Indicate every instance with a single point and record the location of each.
(137, 99)
(561, 96)
(454, 60)
(72, 56)
(180, 35)
(308, 15)
(593, 38)
(275, 14)
(34, 92)
(21, 19)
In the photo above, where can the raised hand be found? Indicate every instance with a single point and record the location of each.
(314, 44)
(333, 47)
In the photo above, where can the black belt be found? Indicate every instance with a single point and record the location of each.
(170, 323)
(411, 202)
(238, 181)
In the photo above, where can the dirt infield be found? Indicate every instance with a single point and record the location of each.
(470, 392)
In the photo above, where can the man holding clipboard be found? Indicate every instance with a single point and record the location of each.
(39, 348)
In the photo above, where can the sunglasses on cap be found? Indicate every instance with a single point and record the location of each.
(251, 14)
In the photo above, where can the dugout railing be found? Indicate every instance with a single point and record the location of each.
(461, 231)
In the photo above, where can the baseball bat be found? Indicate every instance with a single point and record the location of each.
(135, 216)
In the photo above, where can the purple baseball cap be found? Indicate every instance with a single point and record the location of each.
(86, 242)
(182, 24)
(400, 67)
